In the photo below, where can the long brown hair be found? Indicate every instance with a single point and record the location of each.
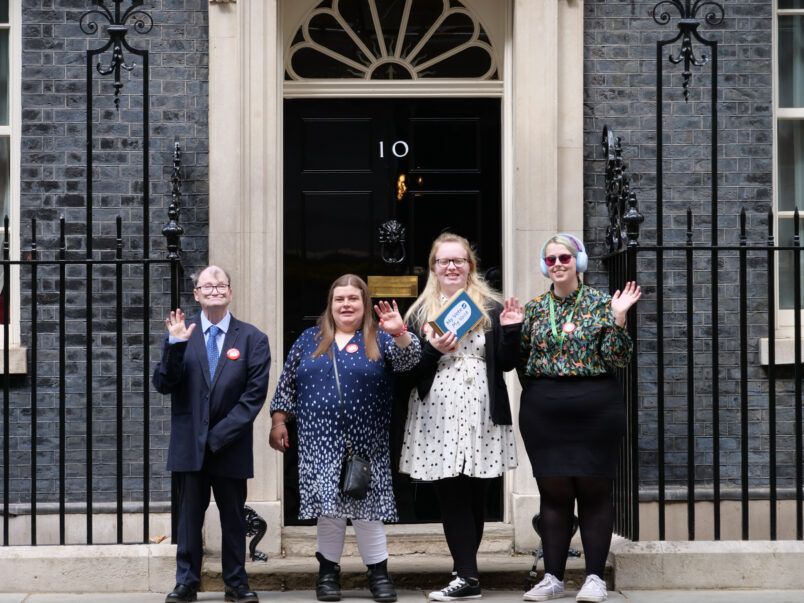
(326, 324)
(428, 304)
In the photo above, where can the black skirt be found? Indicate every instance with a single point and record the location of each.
(572, 426)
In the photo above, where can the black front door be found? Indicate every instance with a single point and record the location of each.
(433, 165)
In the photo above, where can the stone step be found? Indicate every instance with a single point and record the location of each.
(501, 571)
(403, 539)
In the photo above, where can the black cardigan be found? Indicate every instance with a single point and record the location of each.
(502, 354)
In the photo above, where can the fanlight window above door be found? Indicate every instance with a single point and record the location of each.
(390, 40)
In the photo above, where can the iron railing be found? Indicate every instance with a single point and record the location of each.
(91, 333)
(706, 371)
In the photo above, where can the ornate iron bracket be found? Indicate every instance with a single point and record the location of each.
(621, 201)
(539, 553)
(688, 29)
(256, 526)
(391, 235)
(117, 30)
(172, 231)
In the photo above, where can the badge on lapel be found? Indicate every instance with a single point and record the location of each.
(351, 348)
(233, 354)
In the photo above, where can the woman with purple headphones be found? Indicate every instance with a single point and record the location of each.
(572, 414)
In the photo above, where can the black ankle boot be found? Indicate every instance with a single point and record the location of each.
(382, 588)
(328, 586)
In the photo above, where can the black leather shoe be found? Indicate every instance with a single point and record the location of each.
(380, 584)
(181, 594)
(240, 594)
(328, 585)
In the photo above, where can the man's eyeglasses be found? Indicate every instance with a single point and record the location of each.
(564, 258)
(457, 262)
(207, 288)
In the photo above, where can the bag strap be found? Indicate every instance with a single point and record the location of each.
(340, 393)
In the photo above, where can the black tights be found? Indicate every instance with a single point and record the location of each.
(462, 501)
(595, 514)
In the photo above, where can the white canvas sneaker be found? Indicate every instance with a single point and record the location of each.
(549, 588)
(594, 589)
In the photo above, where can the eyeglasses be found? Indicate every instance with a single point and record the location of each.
(208, 288)
(564, 258)
(457, 262)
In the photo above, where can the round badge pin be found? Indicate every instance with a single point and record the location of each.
(568, 327)
(351, 348)
(233, 354)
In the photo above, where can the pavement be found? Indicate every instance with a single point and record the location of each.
(413, 596)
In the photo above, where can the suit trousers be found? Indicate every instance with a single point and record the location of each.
(230, 496)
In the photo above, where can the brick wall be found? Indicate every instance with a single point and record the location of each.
(53, 184)
(620, 91)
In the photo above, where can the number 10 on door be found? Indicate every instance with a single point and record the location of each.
(399, 149)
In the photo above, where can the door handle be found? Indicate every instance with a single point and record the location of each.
(401, 187)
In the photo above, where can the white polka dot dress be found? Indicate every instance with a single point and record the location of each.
(451, 432)
(307, 390)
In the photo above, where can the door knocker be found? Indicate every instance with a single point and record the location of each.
(391, 235)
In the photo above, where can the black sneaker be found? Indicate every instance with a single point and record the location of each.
(459, 588)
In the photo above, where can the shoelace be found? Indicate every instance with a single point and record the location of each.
(595, 582)
(454, 585)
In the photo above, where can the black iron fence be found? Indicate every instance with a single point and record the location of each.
(53, 342)
(714, 442)
(715, 415)
(77, 424)
(86, 322)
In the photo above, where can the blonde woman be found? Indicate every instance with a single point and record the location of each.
(572, 414)
(458, 431)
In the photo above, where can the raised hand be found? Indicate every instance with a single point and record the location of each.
(177, 327)
(622, 301)
(390, 319)
(512, 313)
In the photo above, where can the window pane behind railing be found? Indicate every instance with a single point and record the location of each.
(786, 263)
(5, 171)
(791, 61)
(4, 77)
(791, 164)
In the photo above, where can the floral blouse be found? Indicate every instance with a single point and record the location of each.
(595, 346)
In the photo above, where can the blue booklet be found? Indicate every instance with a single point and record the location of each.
(460, 315)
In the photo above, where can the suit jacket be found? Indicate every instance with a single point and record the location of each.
(211, 420)
(502, 354)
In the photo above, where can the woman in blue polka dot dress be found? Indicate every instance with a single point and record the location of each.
(367, 356)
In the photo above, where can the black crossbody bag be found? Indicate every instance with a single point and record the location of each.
(356, 470)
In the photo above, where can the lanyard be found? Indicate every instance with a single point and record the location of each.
(569, 318)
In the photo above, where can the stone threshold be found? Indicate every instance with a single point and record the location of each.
(403, 539)
(501, 571)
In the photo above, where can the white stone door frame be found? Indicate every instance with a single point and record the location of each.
(542, 147)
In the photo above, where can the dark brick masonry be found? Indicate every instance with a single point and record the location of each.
(620, 90)
(53, 184)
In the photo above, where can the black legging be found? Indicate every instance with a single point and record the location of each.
(595, 515)
(462, 501)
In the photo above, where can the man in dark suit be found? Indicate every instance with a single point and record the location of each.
(215, 369)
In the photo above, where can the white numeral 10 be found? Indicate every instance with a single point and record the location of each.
(400, 149)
